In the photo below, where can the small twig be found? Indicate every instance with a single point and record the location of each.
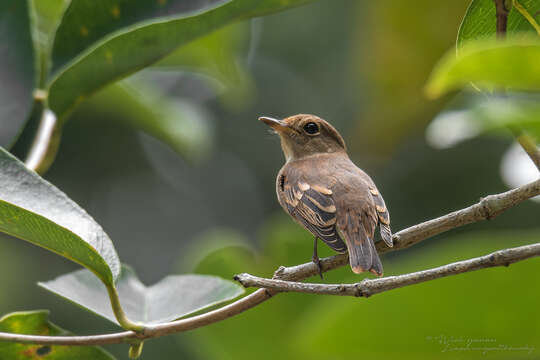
(487, 208)
(368, 287)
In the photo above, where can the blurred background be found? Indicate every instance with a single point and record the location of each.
(196, 193)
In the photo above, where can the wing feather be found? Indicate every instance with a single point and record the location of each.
(383, 215)
(313, 207)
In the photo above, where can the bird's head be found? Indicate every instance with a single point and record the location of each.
(304, 135)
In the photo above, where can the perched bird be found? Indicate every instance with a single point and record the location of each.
(326, 193)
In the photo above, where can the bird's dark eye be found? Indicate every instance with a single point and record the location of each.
(311, 128)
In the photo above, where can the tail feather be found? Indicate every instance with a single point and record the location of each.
(363, 256)
(358, 234)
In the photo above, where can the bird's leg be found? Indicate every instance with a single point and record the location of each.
(315, 257)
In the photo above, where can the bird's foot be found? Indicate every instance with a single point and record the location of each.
(317, 262)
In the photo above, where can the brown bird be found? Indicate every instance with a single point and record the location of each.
(326, 193)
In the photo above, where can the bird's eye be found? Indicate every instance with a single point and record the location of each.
(311, 128)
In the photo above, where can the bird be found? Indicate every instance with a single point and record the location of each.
(326, 193)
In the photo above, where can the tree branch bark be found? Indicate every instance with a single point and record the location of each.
(368, 287)
(486, 208)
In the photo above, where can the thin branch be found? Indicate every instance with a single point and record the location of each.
(487, 208)
(368, 287)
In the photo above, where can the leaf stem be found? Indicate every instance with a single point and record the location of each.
(135, 350)
(119, 312)
(527, 16)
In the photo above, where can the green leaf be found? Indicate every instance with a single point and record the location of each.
(34, 210)
(173, 297)
(17, 68)
(37, 323)
(181, 124)
(47, 16)
(87, 21)
(512, 64)
(480, 21)
(150, 41)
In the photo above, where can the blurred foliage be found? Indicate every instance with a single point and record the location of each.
(395, 49)
(490, 307)
(486, 64)
(37, 323)
(180, 123)
(470, 116)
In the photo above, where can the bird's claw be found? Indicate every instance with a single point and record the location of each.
(317, 262)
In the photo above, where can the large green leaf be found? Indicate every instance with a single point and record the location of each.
(37, 323)
(87, 21)
(512, 64)
(34, 210)
(173, 297)
(480, 20)
(17, 68)
(130, 49)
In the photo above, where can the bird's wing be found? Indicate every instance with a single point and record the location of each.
(313, 207)
(383, 215)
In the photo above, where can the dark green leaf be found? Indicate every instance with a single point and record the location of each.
(513, 64)
(124, 52)
(37, 323)
(173, 297)
(47, 16)
(17, 68)
(480, 20)
(87, 21)
(34, 210)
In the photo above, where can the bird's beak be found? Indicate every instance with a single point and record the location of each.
(278, 125)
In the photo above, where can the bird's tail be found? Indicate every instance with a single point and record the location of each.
(363, 257)
(362, 252)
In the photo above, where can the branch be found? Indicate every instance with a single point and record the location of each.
(368, 287)
(487, 208)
